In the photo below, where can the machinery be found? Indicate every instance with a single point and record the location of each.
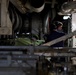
(30, 19)
(22, 26)
(38, 60)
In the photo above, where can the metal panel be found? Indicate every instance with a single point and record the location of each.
(6, 25)
(73, 29)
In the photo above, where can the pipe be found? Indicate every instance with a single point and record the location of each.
(68, 7)
(28, 5)
(35, 5)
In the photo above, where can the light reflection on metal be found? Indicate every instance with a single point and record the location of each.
(21, 5)
(66, 17)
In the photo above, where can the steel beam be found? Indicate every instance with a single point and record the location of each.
(6, 25)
